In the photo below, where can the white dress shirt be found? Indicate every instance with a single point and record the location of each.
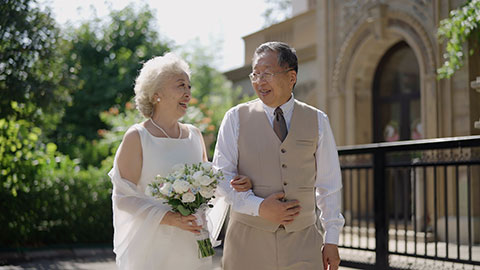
(328, 181)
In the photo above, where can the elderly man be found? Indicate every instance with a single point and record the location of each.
(287, 149)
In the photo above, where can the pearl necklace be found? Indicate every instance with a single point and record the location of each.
(161, 129)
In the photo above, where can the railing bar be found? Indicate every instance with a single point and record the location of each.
(416, 145)
(441, 163)
(344, 201)
(367, 212)
(435, 209)
(458, 211)
(395, 210)
(469, 205)
(445, 186)
(350, 178)
(406, 194)
(355, 248)
(359, 208)
(414, 200)
(425, 201)
(346, 167)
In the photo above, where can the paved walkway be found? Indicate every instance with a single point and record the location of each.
(102, 261)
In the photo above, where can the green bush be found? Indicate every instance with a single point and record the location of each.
(45, 198)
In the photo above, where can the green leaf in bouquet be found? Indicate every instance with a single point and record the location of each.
(175, 202)
(184, 211)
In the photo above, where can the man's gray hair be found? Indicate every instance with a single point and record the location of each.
(287, 56)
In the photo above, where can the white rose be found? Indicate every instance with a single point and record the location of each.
(207, 192)
(166, 189)
(181, 186)
(207, 166)
(205, 180)
(188, 197)
(149, 191)
(197, 175)
(178, 167)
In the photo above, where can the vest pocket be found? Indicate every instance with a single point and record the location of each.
(305, 142)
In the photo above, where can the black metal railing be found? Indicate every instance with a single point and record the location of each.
(418, 199)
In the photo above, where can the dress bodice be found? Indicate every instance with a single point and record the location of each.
(161, 154)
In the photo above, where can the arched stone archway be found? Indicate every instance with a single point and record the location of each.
(355, 66)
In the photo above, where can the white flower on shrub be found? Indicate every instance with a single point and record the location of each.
(207, 166)
(205, 180)
(188, 197)
(181, 186)
(207, 192)
(166, 189)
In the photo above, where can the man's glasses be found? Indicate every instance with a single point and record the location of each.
(267, 76)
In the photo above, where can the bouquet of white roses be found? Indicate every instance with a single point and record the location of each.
(188, 189)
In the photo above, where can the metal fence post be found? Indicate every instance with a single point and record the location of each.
(380, 208)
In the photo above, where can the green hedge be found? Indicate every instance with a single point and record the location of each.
(45, 198)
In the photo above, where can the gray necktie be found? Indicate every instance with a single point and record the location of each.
(279, 124)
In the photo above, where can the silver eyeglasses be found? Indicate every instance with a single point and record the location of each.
(267, 76)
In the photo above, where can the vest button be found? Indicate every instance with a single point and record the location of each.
(284, 166)
(284, 183)
(283, 150)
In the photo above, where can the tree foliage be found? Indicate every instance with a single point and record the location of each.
(30, 64)
(462, 24)
(103, 61)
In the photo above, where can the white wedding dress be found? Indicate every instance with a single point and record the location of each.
(140, 242)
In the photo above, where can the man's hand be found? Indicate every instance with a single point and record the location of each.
(241, 183)
(274, 209)
(331, 259)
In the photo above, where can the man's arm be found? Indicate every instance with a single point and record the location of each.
(328, 192)
(225, 158)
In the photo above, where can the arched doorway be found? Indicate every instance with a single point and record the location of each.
(397, 117)
(396, 96)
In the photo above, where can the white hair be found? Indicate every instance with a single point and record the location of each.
(152, 77)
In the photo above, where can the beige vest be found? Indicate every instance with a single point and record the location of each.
(274, 166)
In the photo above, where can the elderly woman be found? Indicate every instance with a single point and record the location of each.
(148, 235)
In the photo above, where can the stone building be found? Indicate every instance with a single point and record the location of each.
(371, 66)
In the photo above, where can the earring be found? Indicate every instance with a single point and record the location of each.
(158, 99)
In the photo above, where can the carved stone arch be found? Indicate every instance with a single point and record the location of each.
(356, 64)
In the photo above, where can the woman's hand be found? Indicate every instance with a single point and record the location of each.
(187, 223)
(241, 183)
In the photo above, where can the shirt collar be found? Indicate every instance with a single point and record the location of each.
(286, 107)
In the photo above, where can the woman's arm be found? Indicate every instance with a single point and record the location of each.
(130, 158)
